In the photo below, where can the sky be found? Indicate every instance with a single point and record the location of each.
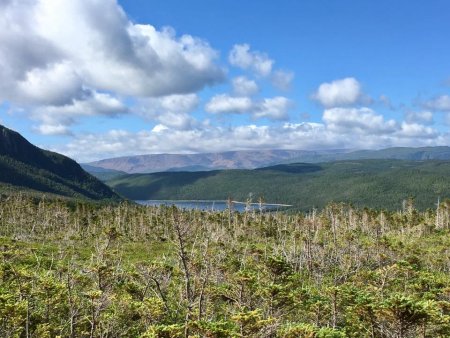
(96, 79)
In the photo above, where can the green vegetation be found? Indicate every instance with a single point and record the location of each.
(24, 167)
(101, 173)
(371, 183)
(84, 270)
(398, 153)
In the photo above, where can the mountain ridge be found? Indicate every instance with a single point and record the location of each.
(193, 162)
(252, 159)
(26, 167)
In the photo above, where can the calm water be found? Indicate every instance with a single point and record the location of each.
(209, 205)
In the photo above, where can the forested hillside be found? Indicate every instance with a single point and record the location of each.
(101, 173)
(365, 183)
(25, 167)
(132, 271)
(396, 153)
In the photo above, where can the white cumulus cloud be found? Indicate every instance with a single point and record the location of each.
(416, 131)
(337, 93)
(56, 119)
(57, 84)
(172, 110)
(56, 54)
(424, 117)
(171, 103)
(282, 79)
(52, 129)
(244, 87)
(224, 103)
(241, 56)
(357, 120)
(275, 108)
(440, 103)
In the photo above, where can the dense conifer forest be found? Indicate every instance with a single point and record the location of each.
(75, 269)
(363, 183)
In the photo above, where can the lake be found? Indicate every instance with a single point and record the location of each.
(214, 205)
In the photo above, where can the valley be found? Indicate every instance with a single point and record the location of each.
(382, 184)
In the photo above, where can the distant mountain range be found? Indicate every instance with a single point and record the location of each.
(255, 159)
(199, 162)
(365, 183)
(25, 167)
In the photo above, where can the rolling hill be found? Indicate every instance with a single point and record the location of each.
(398, 153)
(102, 173)
(367, 183)
(25, 167)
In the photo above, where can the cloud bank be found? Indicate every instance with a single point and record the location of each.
(350, 128)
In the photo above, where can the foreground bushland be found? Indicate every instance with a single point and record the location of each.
(81, 270)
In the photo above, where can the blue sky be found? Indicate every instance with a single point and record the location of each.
(201, 76)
